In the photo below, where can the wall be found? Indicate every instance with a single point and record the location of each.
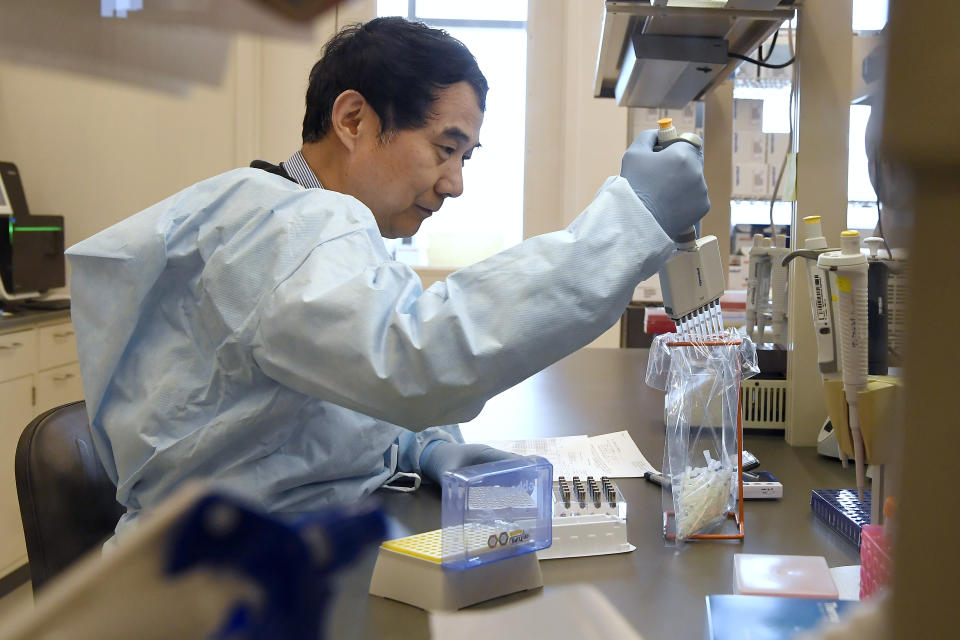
(107, 116)
(574, 141)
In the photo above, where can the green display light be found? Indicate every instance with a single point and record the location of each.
(11, 228)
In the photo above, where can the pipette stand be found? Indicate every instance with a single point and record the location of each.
(879, 405)
(736, 515)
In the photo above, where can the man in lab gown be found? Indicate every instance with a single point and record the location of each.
(252, 329)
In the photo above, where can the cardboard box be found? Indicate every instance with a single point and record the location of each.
(749, 147)
(649, 290)
(750, 180)
(776, 147)
(774, 171)
(683, 119)
(641, 119)
(748, 115)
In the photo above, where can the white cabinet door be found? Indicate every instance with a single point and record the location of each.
(18, 354)
(58, 386)
(57, 346)
(17, 411)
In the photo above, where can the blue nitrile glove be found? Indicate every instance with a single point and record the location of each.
(669, 182)
(440, 456)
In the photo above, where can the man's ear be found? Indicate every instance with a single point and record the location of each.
(353, 118)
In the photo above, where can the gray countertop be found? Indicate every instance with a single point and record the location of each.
(30, 317)
(659, 589)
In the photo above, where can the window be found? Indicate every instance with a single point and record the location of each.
(869, 16)
(488, 217)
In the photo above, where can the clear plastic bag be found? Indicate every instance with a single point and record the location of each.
(702, 384)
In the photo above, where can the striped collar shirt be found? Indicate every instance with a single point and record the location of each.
(298, 169)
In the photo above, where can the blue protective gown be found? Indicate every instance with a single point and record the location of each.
(258, 333)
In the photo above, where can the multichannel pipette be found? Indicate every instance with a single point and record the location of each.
(692, 279)
(850, 267)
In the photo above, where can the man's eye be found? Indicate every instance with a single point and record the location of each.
(448, 150)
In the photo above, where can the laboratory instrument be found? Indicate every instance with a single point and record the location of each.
(850, 267)
(31, 246)
(821, 307)
(205, 564)
(692, 279)
(779, 285)
(494, 517)
(758, 287)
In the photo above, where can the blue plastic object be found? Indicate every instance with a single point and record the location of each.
(292, 562)
(496, 510)
(842, 511)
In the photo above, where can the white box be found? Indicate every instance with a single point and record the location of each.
(749, 147)
(750, 180)
(762, 490)
(425, 584)
(776, 147)
(748, 115)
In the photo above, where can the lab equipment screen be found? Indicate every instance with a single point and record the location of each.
(31, 253)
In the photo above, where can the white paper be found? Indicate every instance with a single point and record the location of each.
(614, 455)
(570, 455)
(847, 579)
(618, 456)
(573, 612)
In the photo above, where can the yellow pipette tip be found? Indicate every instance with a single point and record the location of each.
(812, 219)
(665, 123)
(849, 233)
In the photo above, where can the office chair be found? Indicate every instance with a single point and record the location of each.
(67, 502)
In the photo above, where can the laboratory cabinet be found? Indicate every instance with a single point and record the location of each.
(38, 371)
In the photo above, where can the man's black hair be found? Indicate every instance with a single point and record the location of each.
(397, 65)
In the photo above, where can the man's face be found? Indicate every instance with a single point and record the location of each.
(405, 178)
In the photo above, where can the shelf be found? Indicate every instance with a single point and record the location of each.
(659, 55)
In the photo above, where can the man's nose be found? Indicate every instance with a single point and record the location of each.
(450, 184)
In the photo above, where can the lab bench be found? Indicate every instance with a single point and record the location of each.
(659, 589)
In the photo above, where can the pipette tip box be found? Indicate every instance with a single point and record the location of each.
(411, 570)
(842, 511)
(494, 517)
